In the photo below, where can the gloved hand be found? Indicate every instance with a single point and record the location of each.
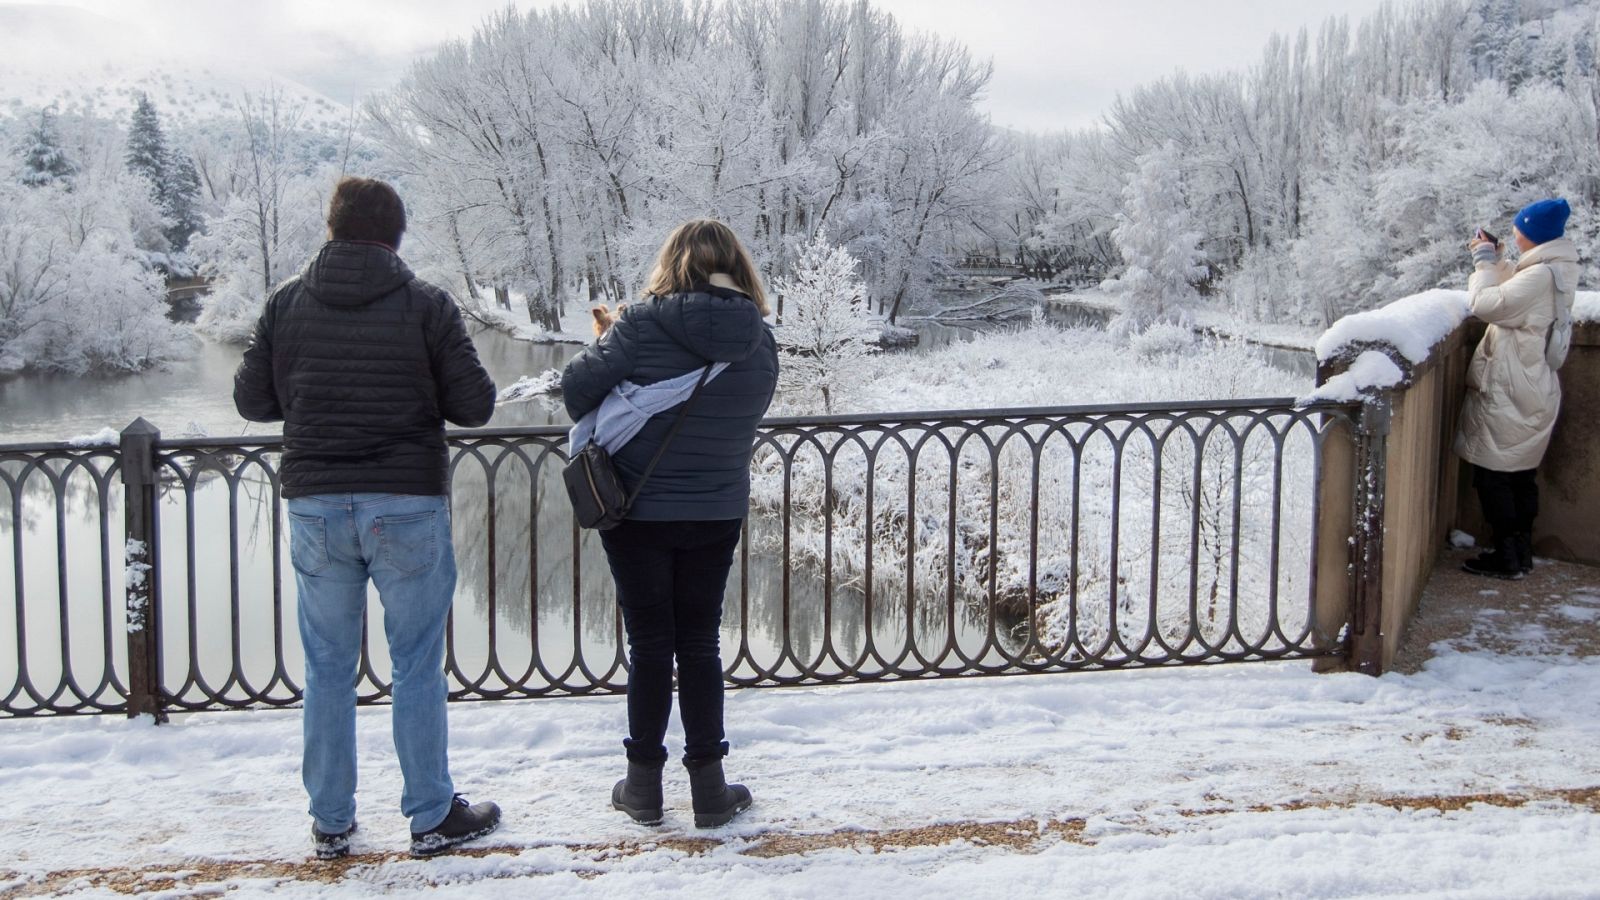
(1485, 253)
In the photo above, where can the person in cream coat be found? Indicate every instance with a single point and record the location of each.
(1513, 394)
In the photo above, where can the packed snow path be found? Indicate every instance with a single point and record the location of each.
(1479, 776)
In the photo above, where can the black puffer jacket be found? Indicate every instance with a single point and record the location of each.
(364, 364)
(705, 474)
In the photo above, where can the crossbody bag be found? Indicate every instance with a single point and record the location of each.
(598, 498)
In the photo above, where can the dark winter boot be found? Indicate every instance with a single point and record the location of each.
(464, 822)
(1524, 545)
(716, 801)
(1498, 563)
(639, 795)
(332, 846)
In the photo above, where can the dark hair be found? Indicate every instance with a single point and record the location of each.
(366, 209)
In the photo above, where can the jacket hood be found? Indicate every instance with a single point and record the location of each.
(353, 273)
(1561, 255)
(715, 323)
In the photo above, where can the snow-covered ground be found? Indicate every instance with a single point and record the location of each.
(1477, 777)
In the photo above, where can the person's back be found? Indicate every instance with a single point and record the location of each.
(671, 554)
(705, 473)
(364, 364)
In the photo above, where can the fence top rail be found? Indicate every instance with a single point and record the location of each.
(926, 417)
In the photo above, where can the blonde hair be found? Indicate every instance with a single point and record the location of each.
(697, 249)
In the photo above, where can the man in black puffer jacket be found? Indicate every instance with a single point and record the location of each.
(363, 363)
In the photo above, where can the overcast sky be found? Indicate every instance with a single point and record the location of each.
(1058, 63)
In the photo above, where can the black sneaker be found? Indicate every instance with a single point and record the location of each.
(1501, 562)
(464, 822)
(332, 846)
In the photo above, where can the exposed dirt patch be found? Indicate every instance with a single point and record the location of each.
(1554, 610)
(1021, 836)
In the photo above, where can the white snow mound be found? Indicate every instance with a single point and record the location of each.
(1412, 324)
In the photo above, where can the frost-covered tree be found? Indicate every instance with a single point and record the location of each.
(1351, 162)
(271, 225)
(550, 151)
(44, 162)
(1159, 242)
(75, 295)
(827, 328)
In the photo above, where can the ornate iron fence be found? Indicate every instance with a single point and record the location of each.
(878, 547)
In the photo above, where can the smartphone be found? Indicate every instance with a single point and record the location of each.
(1484, 233)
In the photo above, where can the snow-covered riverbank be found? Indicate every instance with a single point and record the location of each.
(1035, 508)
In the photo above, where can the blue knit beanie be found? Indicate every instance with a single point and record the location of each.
(1543, 221)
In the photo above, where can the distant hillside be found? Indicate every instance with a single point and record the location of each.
(84, 62)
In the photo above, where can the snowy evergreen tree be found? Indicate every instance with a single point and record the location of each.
(180, 200)
(44, 162)
(827, 328)
(1160, 245)
(147, 146)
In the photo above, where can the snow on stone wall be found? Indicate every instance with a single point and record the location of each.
(1413, 325)
(1371, 370)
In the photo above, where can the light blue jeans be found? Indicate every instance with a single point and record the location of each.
(402, 542)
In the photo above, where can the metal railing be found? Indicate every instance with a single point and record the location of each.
(154, 575)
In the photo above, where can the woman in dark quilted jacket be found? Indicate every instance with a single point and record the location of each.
(670, 558)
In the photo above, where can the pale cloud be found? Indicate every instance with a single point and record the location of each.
(1056, 64)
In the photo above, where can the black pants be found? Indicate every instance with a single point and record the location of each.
(670, 577)
(1510, 500)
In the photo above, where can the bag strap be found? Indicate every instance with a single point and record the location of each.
(683, 413)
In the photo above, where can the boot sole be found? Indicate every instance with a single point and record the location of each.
(1489, 573)
(717, 819)
(641, 816)
(425, 851)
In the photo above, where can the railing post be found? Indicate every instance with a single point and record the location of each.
(139, 511)
(1366, 545)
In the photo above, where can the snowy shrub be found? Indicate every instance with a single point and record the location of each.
(827, 328)
(1163, 339)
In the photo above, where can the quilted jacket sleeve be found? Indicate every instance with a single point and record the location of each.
(254, 393)
(466, 392)
(599, 367)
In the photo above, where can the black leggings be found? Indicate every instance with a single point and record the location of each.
(670, 577)
(1510, 500)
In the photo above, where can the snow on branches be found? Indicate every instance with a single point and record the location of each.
(1160, 244)
(827, 328)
